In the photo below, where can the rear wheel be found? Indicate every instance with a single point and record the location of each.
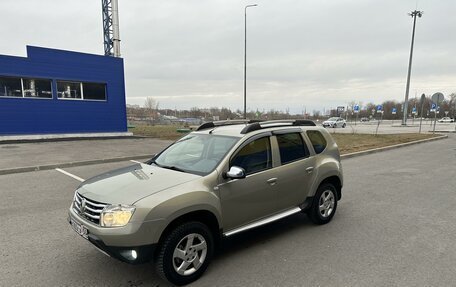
(344, 125)
(185, 253)
(324, 204)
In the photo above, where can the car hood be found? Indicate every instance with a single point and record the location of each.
(130, 184)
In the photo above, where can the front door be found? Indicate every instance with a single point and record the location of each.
(248, 199)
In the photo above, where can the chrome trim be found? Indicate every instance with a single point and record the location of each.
(90, 211)
(93, 210)
(96, 204)
(76, 207)
(92, 216)
(263, 221)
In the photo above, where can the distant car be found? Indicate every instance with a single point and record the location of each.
(446, 120)
(364, 119)
(335, 122)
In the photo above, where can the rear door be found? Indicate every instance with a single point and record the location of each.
(296, 173)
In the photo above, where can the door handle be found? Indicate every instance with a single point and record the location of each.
(272, 181)
(310, 169)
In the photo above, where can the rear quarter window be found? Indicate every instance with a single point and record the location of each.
(291, 147)
(318, 141)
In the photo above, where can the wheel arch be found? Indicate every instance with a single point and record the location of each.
(334, 180)
(202, 215)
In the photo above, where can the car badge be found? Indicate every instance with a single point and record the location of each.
(83, 206)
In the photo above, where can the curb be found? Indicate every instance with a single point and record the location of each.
(380, 149)
(125, 158)
(44, 140)
(71, 164)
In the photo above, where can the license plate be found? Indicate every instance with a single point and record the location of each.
(80, 229)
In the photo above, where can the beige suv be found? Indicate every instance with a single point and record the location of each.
(220, 180)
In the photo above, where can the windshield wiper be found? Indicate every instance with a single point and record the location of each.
(172, 167)
(152, 161)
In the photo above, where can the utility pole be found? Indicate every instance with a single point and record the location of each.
(413, 14)
(245, 58)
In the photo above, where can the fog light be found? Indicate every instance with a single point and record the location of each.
(130, 255)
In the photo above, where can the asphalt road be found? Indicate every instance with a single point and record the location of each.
(44, 153)
(394, 227)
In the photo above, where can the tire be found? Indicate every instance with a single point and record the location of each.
(344, 125)
(322, 211)
(191, 257)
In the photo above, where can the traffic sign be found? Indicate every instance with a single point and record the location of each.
(394, 111)
(433, 106)
(414, 110)
(438, 98)
(356, 108)
(379, 108)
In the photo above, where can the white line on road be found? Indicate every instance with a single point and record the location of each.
(135, 161)
(69, 174)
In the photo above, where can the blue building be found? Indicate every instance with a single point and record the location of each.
(61, 92)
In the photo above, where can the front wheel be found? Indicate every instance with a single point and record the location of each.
(185, 253)
(344, 125)
(324, 204)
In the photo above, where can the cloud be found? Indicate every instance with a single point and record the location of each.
(312, 54)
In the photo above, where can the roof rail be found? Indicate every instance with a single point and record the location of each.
(215, 124)
(278, 123)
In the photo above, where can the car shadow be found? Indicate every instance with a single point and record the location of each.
(124, 274)
(265, 234)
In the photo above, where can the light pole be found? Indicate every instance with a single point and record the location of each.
(245, 58)
(413, 14)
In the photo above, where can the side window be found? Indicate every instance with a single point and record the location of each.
(318, 141)
(254, 157)
(291, 147)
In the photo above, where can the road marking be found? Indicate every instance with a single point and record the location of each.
(69, 174)
(135, 161)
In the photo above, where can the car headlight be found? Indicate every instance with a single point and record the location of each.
(116, 215)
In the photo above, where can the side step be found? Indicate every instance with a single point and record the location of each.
(264, 221)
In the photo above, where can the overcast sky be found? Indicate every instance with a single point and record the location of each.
(302, 54)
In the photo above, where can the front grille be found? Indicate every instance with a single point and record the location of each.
(89, 209)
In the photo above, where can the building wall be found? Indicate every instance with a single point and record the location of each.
(20, 116)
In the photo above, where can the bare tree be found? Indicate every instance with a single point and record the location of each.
(453, 104)
(151, 106)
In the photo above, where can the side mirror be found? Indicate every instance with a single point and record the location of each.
(235, 172)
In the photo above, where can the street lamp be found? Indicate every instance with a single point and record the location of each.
(413, 14)
(245, 58)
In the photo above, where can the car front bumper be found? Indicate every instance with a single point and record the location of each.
(132, 255)
(131, 243)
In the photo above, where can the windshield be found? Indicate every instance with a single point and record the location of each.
(196, 153)
(333, 119)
